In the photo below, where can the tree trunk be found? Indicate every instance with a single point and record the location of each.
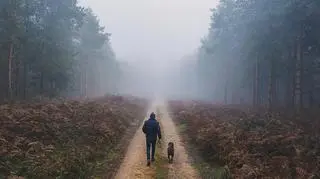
(226, 92)
(81, 84)
(294, 75)
(298, 74)
(10, 71)
(311, 95)
(301, 77)
(25, 80)
(85, 83)
(17, 80)
(41, 83)
(271, 85)
(290, 79)
(312, 82)
(256, 84)
(233, 96)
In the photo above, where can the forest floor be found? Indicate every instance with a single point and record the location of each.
(102, 138)
(134, 164)
(66, 138)
(249, 143)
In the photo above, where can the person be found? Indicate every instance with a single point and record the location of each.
(151, 128)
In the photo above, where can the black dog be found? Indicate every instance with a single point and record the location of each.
(170, 152)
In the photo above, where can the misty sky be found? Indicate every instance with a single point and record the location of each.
(156, 30)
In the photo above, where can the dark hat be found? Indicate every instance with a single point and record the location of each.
(153, 115)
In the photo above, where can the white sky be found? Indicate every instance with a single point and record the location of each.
(157, 30)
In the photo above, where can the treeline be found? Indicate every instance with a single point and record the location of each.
(53, 48)
(263, 53)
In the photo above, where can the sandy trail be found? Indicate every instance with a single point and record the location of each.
(134, 164)
(181, 167)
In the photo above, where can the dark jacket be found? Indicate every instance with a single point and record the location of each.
(151, 128)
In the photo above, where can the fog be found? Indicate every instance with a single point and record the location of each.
(155, 42)
(253, 52)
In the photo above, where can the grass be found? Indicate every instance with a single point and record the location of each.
(207, 171)
(161, 163)
(204, 169)
(111, 157)
(182, 127)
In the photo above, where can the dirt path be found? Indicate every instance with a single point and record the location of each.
(181, 167)
(134, 164)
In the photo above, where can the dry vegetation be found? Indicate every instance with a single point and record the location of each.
(66, 139)
(253, 144)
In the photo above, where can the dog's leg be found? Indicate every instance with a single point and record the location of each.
(171, 158)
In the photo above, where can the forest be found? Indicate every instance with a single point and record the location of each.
(262, 53)
(258, 69)
(53, 48)
(243, 105)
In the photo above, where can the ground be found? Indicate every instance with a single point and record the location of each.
(134, 164)
(102, 138)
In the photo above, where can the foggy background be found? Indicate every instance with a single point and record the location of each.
(156, 43)
(231, 52)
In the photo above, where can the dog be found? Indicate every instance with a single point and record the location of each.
(170, 151)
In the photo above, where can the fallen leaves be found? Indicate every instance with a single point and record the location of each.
(64, 139)
(254, 144)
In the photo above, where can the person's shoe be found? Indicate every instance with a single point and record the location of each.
(148, 163)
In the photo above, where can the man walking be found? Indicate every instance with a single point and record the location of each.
(151, 128)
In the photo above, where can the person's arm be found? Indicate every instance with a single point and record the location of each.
(159, 131)
(144, 127)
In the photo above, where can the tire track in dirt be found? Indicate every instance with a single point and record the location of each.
(181, 167)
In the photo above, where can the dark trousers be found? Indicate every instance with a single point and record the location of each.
(152, 144)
